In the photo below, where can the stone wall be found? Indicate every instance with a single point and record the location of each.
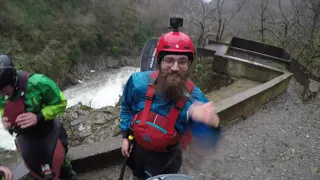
(259, 58)
(259, 47)
(240, 68)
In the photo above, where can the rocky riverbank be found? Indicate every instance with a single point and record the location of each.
(9, 158)
(86, 125)
(89, 64)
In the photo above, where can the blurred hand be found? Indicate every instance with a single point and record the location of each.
(26, 120)
(204, 113)
(125, 147)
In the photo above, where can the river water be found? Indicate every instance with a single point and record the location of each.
(102, 89)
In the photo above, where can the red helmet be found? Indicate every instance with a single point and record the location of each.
(176, 42)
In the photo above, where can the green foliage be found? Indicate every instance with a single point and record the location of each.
(316, 62)
(141, 34)
(50, 36)
(201, 74)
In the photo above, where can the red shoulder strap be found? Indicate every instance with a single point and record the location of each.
(23, 80)
(149, 96)
(174, 113)
(190, 87)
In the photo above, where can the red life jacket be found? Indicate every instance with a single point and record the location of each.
(14, 108)
(153, 131)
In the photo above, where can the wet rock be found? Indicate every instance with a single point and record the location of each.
(68, 81)
(87, 125)
(102, 62)
(75, 122)
(99, 118)
(9, 158)
(89, 64)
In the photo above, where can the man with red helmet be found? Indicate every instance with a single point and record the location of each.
(160, 107)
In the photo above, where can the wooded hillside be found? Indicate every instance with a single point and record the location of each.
(50, 36)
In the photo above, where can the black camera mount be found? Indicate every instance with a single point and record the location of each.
(175, 23)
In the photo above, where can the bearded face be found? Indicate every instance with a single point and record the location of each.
(173, 76)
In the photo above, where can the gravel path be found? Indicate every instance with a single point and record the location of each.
(106, 174)
(279, 141)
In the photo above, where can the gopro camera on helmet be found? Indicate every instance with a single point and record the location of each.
(175, 23)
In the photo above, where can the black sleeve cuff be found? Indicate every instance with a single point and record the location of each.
(127, 133)
(40, 117)
(124, 134)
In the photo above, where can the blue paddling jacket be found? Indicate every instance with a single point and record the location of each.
(133, 101)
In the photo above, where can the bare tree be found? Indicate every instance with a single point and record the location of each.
(224, 18)
(278, 22)
(262, 19)
(200, 15)
(313, 17)
(156, 13)
(309, 51)
(285, 26)
(209, 19)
